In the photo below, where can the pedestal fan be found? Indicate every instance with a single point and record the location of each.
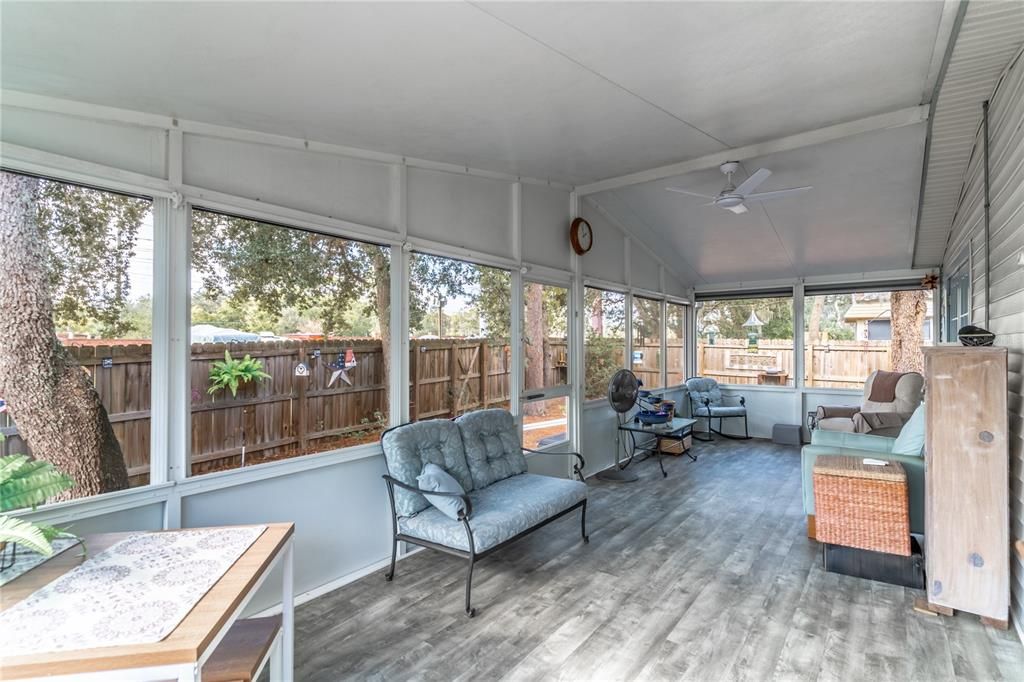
(623, 390)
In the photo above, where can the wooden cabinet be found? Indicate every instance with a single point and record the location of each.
(967, 544)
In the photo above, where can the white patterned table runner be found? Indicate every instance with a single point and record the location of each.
(135, 592)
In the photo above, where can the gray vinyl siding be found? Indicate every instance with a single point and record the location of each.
(1005, 277)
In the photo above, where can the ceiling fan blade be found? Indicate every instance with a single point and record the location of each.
(688, 192)
(738, 209)
(763, 196)
(751, 183)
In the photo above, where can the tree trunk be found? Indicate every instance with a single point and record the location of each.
(534, 333)
(50, 397)
(813, 335)
(908, 310)
(382, 294)
(597, 315)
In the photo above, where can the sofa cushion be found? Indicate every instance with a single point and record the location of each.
(500, 512)
(408, 448)
(436, 478)
(910, 440)
(493, 449)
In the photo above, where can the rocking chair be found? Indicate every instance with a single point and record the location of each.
(707, 402)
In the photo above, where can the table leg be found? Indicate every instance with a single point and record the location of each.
(288, 615)
(277, 660)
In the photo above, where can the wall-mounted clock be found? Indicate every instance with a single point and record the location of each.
(581, 235)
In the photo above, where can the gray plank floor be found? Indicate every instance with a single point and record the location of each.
(704, 575)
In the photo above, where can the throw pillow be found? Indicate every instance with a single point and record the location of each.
(911, 438)
(437, 479)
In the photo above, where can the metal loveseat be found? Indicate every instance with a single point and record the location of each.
(501, 502)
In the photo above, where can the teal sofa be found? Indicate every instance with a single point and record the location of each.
(824, 443)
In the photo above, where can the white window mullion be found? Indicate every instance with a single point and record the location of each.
(175, 289)
(398, 379)
(664, 344)
(798, 334)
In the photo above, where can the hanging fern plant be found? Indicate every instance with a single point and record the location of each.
(232, 373)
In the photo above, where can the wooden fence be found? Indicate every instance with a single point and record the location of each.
(289, 415)
(835, 364)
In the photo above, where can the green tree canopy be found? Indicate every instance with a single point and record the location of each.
(91, 238)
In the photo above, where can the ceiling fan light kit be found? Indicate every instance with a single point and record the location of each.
(732, 198)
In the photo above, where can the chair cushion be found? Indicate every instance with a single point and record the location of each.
(836, 424)
(700, 388)
(493, 449)
(500, 512)
(720, 411)
(436, 478)
(408, 448)
(910, 441)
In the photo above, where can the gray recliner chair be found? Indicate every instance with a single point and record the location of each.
(707, 402)
(884, 409)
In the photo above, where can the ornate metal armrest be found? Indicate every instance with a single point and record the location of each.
(392, 482)
(577, 467)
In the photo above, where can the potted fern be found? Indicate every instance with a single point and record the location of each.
(232, 373)
(26, 483)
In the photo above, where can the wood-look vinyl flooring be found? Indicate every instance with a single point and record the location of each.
(704, 575)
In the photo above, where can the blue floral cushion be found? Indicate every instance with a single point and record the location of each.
(408, 448)
(500, 512)
(493, 449)
(437, 479)
(700, 388)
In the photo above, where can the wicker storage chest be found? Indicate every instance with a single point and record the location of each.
(862, 505)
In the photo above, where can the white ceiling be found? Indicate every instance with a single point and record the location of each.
(574, 92)
(859, 216)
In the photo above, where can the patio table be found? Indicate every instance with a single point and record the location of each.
(676, 429)
(181, 654)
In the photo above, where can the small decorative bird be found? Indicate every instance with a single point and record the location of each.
(341, 365)
(930, 281)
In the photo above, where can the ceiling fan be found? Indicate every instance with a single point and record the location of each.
(731, 198)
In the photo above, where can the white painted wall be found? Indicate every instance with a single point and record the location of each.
(606, 260)
(342, 522)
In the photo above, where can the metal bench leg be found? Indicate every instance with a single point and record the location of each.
(470, 611)
(394, 552)
(583, 522)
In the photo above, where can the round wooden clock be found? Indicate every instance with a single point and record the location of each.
(581, 235)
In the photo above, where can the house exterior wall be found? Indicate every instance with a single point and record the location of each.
(1001, 308)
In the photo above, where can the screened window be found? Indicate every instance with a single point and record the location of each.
(546, 363)
(958, 296)
(851, 334)
(289, 342)
(746, 340)
(545, 335)
(459, 320)
(647, 362)
(675, 343)
(604, 339)
(75, 355)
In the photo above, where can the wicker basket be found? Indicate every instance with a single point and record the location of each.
(861, 505)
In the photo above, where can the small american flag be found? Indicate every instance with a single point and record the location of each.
(3, 405)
